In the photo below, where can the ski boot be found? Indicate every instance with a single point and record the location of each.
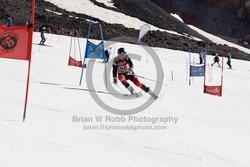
(152, 94)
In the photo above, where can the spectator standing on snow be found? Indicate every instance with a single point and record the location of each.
(228, 56)
(201, 56)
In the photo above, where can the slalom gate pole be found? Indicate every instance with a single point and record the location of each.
(106, 80)
(172, 74)
(70, 46)
(79, 48)
(27, 92)
(74, 39)
(192, 72)
(211, 73)
(189, 65)
(30, 50)
(209, 77)
(205, 63)
(83, 64)
(186, 68)
(222, 67)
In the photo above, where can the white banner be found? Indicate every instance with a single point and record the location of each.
(144, 30)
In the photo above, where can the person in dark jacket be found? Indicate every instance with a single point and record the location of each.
(201, 54)
(228, 56)
(42, 31)
(216, 59)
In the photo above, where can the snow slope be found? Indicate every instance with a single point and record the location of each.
(219, 40)
(113, 17)
(210, 131)
(106, 15)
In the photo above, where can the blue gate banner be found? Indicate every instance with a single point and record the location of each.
(197, 71)
(94, 51)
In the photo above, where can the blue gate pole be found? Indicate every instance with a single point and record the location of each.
(106, 80)
(86, 51)
(189, 66)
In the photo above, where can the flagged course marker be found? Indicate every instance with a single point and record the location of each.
(143, 31)
(16, 43)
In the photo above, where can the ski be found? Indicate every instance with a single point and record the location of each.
(42, 45)
(136, 95)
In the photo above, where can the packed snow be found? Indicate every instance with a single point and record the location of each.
(57, 13)
(177, 17)
(108, 3)
(208, 131)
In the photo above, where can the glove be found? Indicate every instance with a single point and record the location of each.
(115, 81)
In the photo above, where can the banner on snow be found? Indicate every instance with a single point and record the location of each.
(15, 42)
(213, 90)
(144, 30)
(197, 71)
(94, 51)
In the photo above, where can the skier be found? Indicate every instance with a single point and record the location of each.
(201, 56)
(43, 39)
(107, 54)
(123, 66)
(229, 60)
(216, 59)
(9, 22)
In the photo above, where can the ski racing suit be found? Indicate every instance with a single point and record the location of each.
(123, 67)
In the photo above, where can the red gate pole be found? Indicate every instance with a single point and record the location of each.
(29, 50)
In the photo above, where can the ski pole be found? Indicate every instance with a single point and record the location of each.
(151, 80)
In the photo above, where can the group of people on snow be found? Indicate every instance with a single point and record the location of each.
(216, 59)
